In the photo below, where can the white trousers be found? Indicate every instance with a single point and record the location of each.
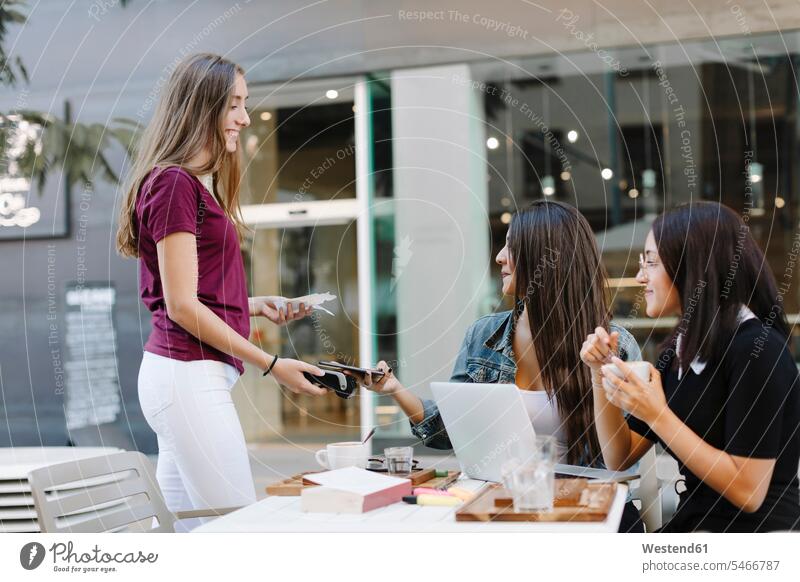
(202, 456)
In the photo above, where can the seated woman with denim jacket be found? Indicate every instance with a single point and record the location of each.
(551, 264)
(487, 357)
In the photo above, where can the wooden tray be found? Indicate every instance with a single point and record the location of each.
(292, 486)
(575, 500)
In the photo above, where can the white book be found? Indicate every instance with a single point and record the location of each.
(352, 490)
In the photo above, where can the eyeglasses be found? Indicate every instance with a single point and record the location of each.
(647, 266)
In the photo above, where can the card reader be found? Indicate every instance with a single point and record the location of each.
(343, 386)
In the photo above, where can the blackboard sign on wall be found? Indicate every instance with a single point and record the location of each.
(93, 391)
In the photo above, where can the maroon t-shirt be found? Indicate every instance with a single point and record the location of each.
(174, 200)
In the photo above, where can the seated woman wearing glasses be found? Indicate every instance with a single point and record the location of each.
(552, 266)
(724, 396)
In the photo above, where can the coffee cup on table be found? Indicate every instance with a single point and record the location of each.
(346, 454)
(641, 369)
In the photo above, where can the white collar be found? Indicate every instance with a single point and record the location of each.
(745, 313)
(697, 366)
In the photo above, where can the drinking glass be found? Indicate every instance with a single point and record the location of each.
(531, 479)
(399, 460)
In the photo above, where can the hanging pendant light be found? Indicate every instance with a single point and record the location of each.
(548, 182)
(648, 174)
(755, 171)
(548, 186)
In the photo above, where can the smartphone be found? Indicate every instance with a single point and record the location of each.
(376, 374)
(343, 386)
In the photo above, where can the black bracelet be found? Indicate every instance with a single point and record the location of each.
(272, 365)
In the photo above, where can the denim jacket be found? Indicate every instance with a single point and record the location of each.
(487, 356)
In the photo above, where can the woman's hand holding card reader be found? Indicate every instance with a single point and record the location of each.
(343, 386)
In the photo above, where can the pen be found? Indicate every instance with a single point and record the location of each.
(449, 479)
(441, 500)
(462, 494)
(429, 491)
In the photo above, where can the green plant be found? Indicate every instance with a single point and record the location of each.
(49, 143)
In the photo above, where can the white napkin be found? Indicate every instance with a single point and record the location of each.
(314, 301)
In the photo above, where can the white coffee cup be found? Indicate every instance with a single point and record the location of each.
(641, 369)
(340, 455)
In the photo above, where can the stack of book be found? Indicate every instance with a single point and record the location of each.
(352, 490)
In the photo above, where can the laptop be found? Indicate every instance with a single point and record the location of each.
(487, 425)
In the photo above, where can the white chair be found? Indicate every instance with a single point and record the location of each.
(17, 511)
(658, 497)
(110, 493)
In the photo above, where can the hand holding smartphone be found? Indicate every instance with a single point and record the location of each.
(360, 373)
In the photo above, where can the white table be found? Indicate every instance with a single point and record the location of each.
(283, 514)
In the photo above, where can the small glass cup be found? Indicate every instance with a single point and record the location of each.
(531, 480)
(399, 460)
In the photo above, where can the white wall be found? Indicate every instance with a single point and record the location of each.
(440, 191)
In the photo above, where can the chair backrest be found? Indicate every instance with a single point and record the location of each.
(648, 491)
(111, 493)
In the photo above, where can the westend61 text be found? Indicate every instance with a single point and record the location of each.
(673, 549)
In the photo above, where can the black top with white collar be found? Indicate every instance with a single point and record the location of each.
(747, 404)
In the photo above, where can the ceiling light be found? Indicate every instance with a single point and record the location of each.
(548, 186)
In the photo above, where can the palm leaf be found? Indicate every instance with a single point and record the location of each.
(78, 148)
(10, 71)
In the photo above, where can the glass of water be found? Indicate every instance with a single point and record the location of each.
(399, 460)
(531, 480)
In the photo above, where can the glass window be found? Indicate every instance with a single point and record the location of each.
(702, 120)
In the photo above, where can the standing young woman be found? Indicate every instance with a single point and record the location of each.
(181, 219)
(552, 266)
(724, 397)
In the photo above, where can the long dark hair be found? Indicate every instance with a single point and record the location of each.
(716, 267)
(562, 282)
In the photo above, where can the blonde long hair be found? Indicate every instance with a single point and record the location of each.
(190, 116)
